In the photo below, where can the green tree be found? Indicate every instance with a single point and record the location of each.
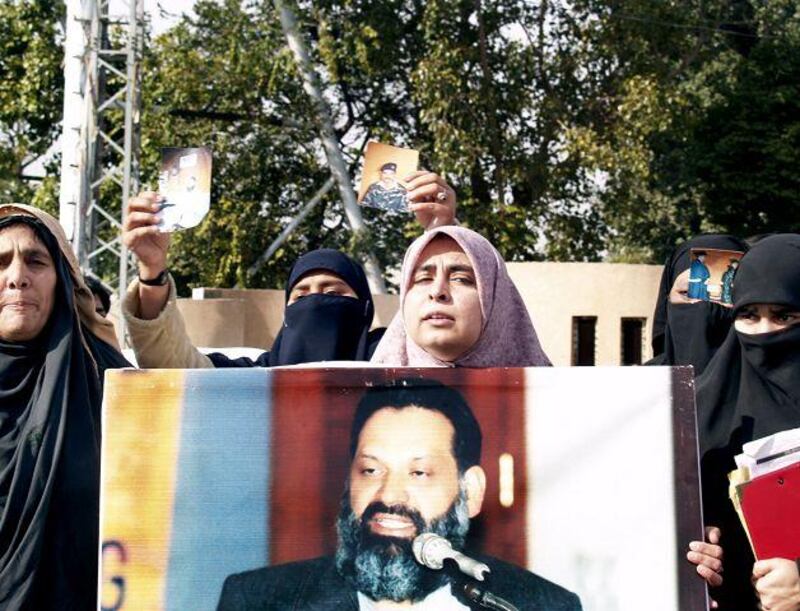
(571, 131)
(31, 93)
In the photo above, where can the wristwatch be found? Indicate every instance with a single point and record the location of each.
(159, 280)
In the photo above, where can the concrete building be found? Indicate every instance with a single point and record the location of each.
(584, 313)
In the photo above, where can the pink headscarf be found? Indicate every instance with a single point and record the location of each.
(507, 338)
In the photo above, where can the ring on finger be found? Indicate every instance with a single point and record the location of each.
(441, 195)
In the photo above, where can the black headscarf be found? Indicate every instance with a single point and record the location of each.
(750, 389)
(690, 333)
(50, 396)
(321, 327)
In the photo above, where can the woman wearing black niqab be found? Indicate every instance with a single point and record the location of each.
(50, 397)
(320, 326)
(690, 333)
(749, 390)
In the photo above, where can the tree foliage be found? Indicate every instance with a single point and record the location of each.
(571, 131)
(31, 84)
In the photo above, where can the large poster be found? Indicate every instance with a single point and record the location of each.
(207, 473)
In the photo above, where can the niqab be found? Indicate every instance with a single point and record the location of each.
(321, 327)
(749, 390)
(507, 339)
(690, 333)
(50, 396)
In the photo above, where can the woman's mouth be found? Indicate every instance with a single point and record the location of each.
(438, 319)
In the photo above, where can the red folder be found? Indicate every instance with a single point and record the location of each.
(771, 507)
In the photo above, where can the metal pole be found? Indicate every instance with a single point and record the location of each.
(130, 179)
(328, 137)
(75, 92)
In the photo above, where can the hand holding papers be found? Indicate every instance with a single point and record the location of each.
(765, 490)
(391, 182)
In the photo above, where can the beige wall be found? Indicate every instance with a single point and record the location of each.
(556, 292)
(221, 318)
(553, 292)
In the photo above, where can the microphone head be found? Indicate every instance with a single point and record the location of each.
(431, 550)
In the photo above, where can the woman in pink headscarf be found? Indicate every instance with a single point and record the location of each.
(458, 308)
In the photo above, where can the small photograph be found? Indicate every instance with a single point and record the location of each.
(381, 181)
(185, 183)
(711, 274)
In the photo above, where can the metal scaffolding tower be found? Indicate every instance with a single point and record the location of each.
(100, 141)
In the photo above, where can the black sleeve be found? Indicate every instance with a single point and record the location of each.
(220, 360)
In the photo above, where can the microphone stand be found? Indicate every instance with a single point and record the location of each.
(474, 593)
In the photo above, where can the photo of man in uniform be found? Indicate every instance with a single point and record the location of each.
(698, 277)
(387, 193)
(727, 281)
(415, 449)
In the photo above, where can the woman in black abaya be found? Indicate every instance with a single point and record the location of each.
(750, 389)
(687, 332)
(323, 322)
(51, 367)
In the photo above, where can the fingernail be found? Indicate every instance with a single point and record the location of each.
(694, 546)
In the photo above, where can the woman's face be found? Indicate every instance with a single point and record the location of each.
(765, 318)
(442, 310)
(320, 282)
(27, 284)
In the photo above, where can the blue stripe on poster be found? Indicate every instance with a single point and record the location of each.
(221, 511)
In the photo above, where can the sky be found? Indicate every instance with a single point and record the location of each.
(163, 13)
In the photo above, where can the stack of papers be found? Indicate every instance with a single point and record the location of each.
(765, 490)
(771, 453)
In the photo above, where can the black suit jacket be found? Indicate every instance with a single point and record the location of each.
(314, 585)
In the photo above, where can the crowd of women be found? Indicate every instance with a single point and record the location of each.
(458, 308)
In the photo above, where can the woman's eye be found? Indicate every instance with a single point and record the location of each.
(419, 474)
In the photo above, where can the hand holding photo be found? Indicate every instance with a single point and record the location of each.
(712, 273)
(382, 186)
(184, 185)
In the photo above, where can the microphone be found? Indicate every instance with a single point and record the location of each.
(431, 550)
(486, 599)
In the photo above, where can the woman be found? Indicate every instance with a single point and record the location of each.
(54, 350)
(328, 315)
(688, 331)
(458, 308)
(750, 389)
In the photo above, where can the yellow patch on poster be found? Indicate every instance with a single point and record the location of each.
(136, 521)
